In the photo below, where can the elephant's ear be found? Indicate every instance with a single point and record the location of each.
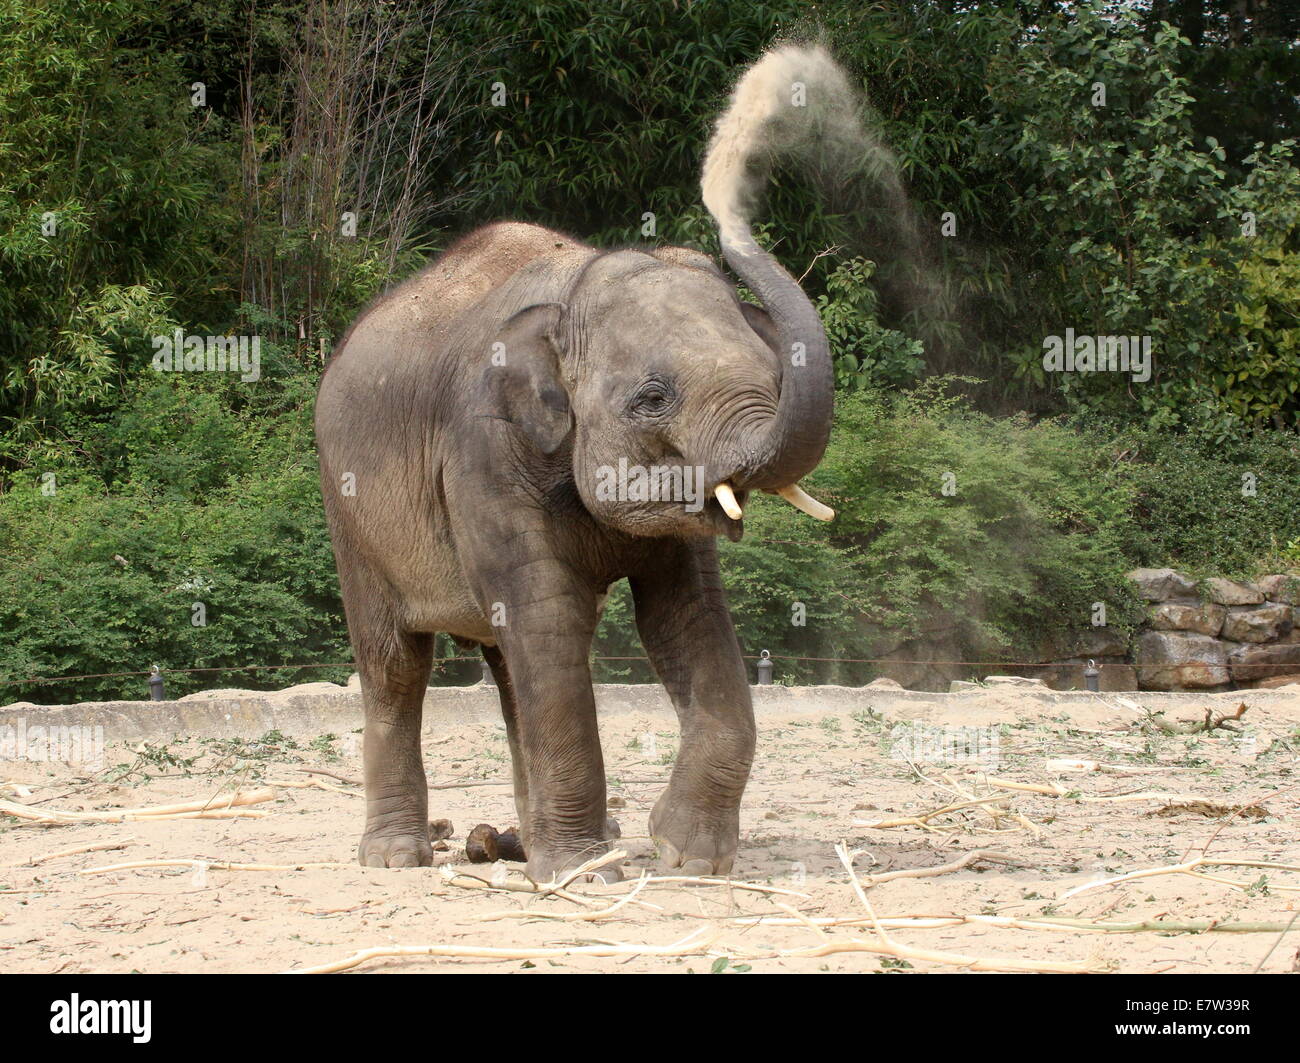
(523, 381)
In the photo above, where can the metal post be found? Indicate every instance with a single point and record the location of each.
(156, 691)
(1092, 677)
(765, 667)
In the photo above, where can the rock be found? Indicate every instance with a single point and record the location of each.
(1013, 681)
(1168, 660)
(1262, 623)
(1233, 592)
(1205, 618)
(884, 683)
(1287, 681)
(1088, 642)
(1281, 588)
(957, 686)
(1161, 584)
(1113, 674)
(1250, 664)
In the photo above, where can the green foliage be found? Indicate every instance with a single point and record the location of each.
(1037, 528)
(1145, 230)
(1210, 502)
(102, 575)
(865, 352)
(1132, 218)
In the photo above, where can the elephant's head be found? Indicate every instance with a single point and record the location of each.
(680, 398)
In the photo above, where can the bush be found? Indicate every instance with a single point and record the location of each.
(1038, 526)
(1215, 504)
(181, 501)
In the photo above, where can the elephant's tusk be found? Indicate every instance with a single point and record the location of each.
(727, 500)
(802, 500)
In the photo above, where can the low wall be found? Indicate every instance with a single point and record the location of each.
(319, 708)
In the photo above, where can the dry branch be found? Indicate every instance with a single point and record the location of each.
(1191, 867)
(689, 945)
(887, 947)
(223, 808)
(1004, 922)
(210, 865)
(976, 856)
(100, 847)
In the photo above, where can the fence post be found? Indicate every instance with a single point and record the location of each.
(156, 691)
(1092, 677)
(765, 669)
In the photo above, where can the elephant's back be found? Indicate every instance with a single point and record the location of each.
(425, 307)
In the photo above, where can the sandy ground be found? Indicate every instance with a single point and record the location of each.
(817, 773)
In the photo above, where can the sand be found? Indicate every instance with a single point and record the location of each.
(818, 773)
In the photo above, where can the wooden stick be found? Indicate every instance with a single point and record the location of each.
(730, 883)
(332, 775)
(945, 922)
(313, 784)
(588, 915)
(1055, 790)
(101, 847)
(1190, 867)
(211, 865)
(211, 809)
(975, 856)
(887, 947)
(691, 944)
(463, 879)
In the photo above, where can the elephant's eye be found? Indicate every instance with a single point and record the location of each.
(653, 397)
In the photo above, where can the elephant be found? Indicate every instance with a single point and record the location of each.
(474, 426)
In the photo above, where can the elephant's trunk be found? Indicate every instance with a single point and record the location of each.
(795, 101)
(795, 439)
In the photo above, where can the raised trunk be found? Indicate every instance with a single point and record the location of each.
(797, 437)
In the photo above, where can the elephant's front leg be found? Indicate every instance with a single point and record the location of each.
(544, 632)
(393, 681)
(686, 628)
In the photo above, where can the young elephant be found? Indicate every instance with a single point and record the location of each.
(511, 431)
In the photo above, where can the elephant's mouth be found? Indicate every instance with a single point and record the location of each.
(717, 516)
(726, 507)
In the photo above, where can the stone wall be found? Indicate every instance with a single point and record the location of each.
(1216, 635)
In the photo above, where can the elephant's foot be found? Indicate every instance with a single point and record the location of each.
(692, 841)
(548, 865)
(388, 849)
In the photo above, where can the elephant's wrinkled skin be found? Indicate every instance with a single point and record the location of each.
(461, 478)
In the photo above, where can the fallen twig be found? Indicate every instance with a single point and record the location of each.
(210, 865)
(945, 922)
(1191, 867)
(888, 947)
(689, 945)
(101, 847)
(588, 915)
(348, 779)
(313, 784)
(975, 856)
(224, 808)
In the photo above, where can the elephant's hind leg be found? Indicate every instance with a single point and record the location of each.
(394, 673)
(510, 713)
